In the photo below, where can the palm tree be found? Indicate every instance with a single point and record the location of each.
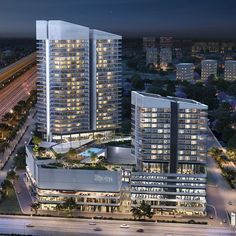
(35, 206)
(69, 204)
(59, 207)
(144, 210)
(6, 187)
(136, 212)
(11, 175)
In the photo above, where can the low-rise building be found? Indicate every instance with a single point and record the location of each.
(185, 71)
(151, 57)
(230, 70)
(165, 57)
(209, 67)
(52, 182)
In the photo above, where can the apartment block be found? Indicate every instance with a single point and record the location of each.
(185, 71)
(79, 80)
(209, 67)
(169, 145)
(230, 70)
(149, 42)
(105, 57)
(165, 56)
(151, 56)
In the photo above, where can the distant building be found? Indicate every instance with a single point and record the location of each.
(149, 42)
(169, 145)
(213, 47)
(209, 67)
(165, 57)
(226, 47)
(199, 47)
(151, 56)
(230, 70)
(166, 42)
(185, 71)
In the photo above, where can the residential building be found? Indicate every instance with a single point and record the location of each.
(151, 57)
(213, 47)
(166, 42)
(105, 83)
(185, 71)
(169, 145)
(79, 80)
(149, 42)
(230, 70)
(209, 67)
(165, 57)
(199, 47)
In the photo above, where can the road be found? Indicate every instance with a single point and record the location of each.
(62, 226)
(17, 90)
(21, 64)
(219, 193)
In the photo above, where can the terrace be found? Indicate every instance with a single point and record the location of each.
(90, 158)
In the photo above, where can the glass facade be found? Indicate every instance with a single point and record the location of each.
(169, 144)
(108, 84)
(69, 86)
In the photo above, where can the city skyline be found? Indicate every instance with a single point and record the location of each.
(190, 19)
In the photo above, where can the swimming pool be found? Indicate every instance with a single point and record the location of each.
(88, 152)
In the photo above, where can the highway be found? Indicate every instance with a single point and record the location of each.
(17, 90)
(18, 66)
(64, 226)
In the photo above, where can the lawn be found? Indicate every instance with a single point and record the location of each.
(10, 203)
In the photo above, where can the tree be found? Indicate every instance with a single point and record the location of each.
(36, 140)
(11, 175)
(59, 207)
(6, 187)
(69, 204)
(136, 212)
(137, 82)
(19, 159)
(72, 154)
(144, 210)
(215, 152)
(232, 142)
(35, 206)
(93, 157)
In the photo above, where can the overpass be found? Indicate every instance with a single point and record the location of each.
(14, 70)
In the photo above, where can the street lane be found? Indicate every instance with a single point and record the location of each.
(65, 226)
(17, 90)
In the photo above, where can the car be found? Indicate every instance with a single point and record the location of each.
(224, 220)
(140, 230)
(124, 226)
(230, 203)
(211, 217)
(29, 225)
(98, 217)
(92, 223)
(97, 229)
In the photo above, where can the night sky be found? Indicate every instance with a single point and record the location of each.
(131, 18)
